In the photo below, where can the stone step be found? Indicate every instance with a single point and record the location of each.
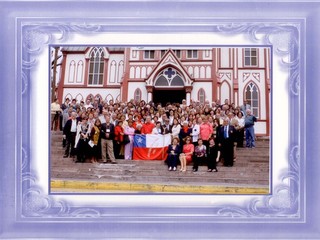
(241, 173)
(155, 169)
(243, 162)
(201, 176)
(57, 154)
(168, 181)
(238, 167)
(251, 168)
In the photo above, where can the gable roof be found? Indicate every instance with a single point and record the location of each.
(169, 60)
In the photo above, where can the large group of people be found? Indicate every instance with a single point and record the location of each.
(202, 134)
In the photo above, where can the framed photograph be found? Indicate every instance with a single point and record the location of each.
(200, 52)
(173, 85)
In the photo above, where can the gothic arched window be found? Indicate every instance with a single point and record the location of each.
(137, 95)
(252, 96)
(96, 66)
(201, 96)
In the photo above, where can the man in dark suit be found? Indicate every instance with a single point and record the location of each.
(226, 141)
(107, 136)
(69, 133)
(167, 127)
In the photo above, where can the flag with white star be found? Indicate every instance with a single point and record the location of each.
(150, 146)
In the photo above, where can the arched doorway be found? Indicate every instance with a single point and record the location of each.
(169, 87)
(165, 96)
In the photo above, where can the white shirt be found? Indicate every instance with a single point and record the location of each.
(195, 133)
(156, 130)
(102, 119)
(171, 120)
(176, 130)
(241, 121)
(74, 125)
(55, 107)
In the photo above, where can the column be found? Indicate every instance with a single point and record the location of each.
(150, 91)
(188, 94)
(149, 97)
(188, 98)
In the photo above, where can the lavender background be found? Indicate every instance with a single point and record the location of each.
(27, 211)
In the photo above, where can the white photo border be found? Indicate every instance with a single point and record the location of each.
(27, 209)
(286, 200)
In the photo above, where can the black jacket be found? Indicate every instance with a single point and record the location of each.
(107, 129)
(231, 133)
(67, 127)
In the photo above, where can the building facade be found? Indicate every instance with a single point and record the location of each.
(169, 75)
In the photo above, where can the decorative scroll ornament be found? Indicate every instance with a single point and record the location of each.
(284, 202)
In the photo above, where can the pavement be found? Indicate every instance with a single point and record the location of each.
(249, 175)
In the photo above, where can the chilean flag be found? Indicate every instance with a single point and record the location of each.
(151, 146)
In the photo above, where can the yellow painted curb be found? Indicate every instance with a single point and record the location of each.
(90, 186)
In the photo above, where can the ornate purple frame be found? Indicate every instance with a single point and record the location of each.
(28, 211)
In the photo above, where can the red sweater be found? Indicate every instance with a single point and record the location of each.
(117, 135)
(147, 128)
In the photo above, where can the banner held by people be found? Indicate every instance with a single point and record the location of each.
(151, 146)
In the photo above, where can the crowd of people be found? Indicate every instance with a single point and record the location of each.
(202, 134)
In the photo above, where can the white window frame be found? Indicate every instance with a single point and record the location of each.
(148, 54)
(250, 57)
(96, 52)
(194, 54)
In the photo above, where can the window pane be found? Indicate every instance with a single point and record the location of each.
(189, 53)
(177, 81)
(254, 52)
(162, 81)
(248, 94)
(178, 53)
(96, 68)
(101, 67)
(252, 95)
(100, 79)
(201, 96)
(247, 61)
(137, 95)
(254, 61)
(95, 79)
(255, 94)
(91, 67)
(247, 52)
(195, 54)
(90, 79)
(149, 54)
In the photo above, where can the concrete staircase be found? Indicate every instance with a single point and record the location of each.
(251, 169)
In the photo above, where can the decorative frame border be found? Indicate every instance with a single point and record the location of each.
(34, 208)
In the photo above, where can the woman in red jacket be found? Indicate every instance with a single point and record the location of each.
(186, 155)
(118, 140)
